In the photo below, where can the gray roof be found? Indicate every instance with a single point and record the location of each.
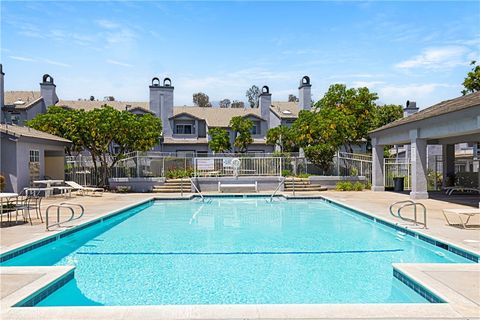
(90, 105)
(29, 132)
(29, 98)
(444, 107)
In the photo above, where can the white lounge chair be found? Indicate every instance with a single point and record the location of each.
(85, 190)
(450, 190)
(458, 213)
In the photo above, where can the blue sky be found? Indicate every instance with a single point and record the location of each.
(401, 50)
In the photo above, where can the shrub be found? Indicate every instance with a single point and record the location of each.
(123, 189)
(179, 173)
(303, 175)
(286, 173)
(349, 186)
(2, 183)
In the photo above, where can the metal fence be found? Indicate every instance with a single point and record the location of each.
(158, 164)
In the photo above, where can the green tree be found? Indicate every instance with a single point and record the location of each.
(472, 80)
(200, 99)
(237, 104)
(243, 135)
(220, 140)
(100, 129)
(321, 133)
(63, 123)
(385, 114)
(283, 137)
(356, 103)
(225, 103)
(252, 95)
(292, 98)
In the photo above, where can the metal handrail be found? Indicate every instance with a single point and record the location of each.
(409, 203)
(277, 188)
(195, 186)
(65, 205)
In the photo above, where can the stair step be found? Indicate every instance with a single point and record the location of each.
(170, 191)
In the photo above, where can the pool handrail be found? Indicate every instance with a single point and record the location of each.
(408, 203)
(277, 188)
(196, 189)
(66, 205)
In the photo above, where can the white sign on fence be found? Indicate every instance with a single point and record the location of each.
(205, 164)
(227, 162)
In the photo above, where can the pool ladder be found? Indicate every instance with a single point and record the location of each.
(64, 205)
(410, 203)
(278, 188)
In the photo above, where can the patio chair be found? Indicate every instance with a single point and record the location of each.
(458, 213)
(449, 190)
(84, 191)
(26, 202)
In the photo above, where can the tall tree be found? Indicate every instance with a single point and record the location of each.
(283, 137)
(356, 103)
(219, 140)
(97, 130)
(252, 95)
(238, 104)
(321, 133)
(225, 103)
(472, 80)
(385, 114)
(292, 98)
(200, 99)
(243, 135)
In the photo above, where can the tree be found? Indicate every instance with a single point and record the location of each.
(63, 123)
(225, 103)
(238, 104)
(283, 137)
(321, 133)
(386, 114)
(292, 98)
(97, 130)
(220, 140)
(243, 135)
(200, 99)
(472, 80)
(356, 103)
(252, 95)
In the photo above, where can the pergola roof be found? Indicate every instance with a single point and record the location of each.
(444, 107)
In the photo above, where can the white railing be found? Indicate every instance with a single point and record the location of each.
(249, 166)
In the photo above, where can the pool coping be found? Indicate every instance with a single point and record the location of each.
(370, 311)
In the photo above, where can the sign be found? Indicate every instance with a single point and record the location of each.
(205, 164)
(227, 162)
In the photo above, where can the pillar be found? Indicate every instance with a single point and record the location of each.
(448, 159)
(419, 166)
(378, 180)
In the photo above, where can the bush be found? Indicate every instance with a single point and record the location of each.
(286, 173)
(123, 189)
(2, 183)
(179, 173)
(349, 186)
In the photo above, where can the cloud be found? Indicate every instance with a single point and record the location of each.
(118, 63)
(437, 58)
(368, 84)
(56, 63)
(425, 94)
(19, 58)
(108, 24)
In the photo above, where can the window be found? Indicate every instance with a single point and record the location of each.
(256, 127)
(202, 153)
(183, 129)
(34, 156)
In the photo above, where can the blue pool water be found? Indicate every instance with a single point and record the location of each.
(232, 251)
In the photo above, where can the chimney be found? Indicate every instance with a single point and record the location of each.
(2, 93)
(305, 94)
(48, 91)
(410, 108)
(264, 103)
(161, 102)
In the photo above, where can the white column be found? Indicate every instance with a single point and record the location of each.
(419, 166)
(378, 181)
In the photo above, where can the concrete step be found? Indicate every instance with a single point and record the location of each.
(313, 187)
(170, 191)
(187, 186)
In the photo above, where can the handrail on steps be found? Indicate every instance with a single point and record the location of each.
(277, 188)
(409, 203)
(196, 189)
(65, 205)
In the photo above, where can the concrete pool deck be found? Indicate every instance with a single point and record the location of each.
(455, 283)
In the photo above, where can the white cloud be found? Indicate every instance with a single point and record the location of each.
(108, 24)
(425, 94)
(118, 63)
(368, 84)
(56, 63)
(19, 58)
(437, 58)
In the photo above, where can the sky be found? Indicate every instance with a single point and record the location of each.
(416, 51)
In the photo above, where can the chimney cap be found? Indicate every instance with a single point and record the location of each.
(155, 82)
(410, 105)
(265, 91)
(305, 82)
(1, 70)
(47, 79)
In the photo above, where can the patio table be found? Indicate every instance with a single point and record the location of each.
(5, 195)
(48, 184)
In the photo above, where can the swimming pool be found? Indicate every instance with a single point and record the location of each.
(234, 251)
